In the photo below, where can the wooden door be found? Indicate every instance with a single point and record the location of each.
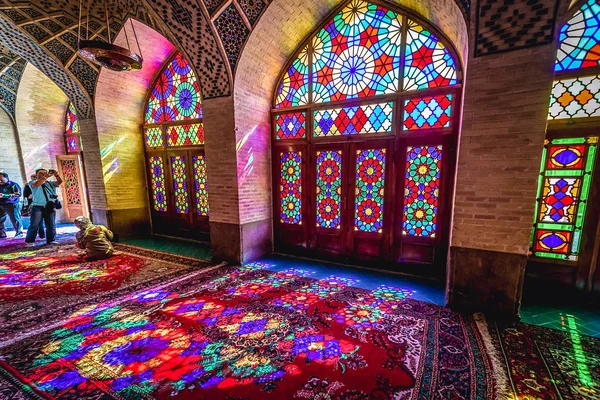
(180, 193)
(73, 189)
(158, 191)
(199, 186)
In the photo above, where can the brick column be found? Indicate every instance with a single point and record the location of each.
(503, 130)
(92, 162)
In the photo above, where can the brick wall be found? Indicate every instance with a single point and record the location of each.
(119, 107)
(93, 164)
(11, 159)
(40, 118)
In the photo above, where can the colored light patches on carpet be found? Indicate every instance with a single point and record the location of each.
(290, 125)
(421, 190)
(290, 187)
(575, 98)
(293, 87)
(563, 190)
(157, 179)
(429, 112)
(200, 185)
(369, 181)
(579, 39)
(180, 189)
(352, 120)
(328, 188)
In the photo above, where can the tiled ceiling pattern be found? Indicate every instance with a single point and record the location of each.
(11, 70)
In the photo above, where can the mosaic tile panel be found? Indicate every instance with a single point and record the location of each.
(85, 74)
(252, 9)
(9, 83)
(36, 31)
(233, 32)
(62, 52)
(213, 5)
(51, 25)
(70, 39)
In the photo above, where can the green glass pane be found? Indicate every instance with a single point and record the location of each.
(568, 141)
(559, 227)
(569, 172)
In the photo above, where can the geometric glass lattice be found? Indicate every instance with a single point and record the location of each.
(427, 62)
(427, 112)
(579, 39)
(157, 178)
(153, 137)
(563, 190)
(372, 118)
(329, 188)
(200, 185)
(185, 135)
(180, 189)
(73, 144)
(290, 125)
(69, 173)
(290, 188)
(175, 95)
(72, 122)
(575, 98)
(421, 190)
(370, 178)
(293, 88)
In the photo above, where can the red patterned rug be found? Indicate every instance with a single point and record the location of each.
(252, 333)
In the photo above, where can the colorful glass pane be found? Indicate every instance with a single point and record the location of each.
(421, 190)
(73, 145)
(72, 122)
(427, 62)
(69, 174)
(293, 88)
(575, 98)
(329, 188)
(200, 185)
(185, 135)
(372, 118)
(370, 178)
(290, 188)
(357, 54)
(427, 112)
(290, 125)
(153, 137)
(157, 179)
(579, 39)
(563, 190)
(175, 95)
(180, 189)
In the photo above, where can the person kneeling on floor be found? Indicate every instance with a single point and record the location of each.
(94, 239)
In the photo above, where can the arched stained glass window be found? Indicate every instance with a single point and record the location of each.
(72, 134)
(580, 39)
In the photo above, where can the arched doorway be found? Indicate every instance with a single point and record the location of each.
(365, 119)
(173, 135)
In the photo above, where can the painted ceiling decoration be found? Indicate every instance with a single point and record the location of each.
(11, 70)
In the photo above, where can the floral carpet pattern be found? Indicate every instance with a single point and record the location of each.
(254, 333)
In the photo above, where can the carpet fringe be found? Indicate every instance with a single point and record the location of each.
(503, 387)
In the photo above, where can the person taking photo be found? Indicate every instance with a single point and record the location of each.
(44, 205)
(10, 200)
(28, 197)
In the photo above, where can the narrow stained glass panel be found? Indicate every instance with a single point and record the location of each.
(427, 112)
(553, 241)
(293, 88)
(579, 39)
(421, 190)
(185, 135)
(290, 188)
(290, 125)
(357, 54)
(200, 185)
(153, 137)
(575, 98)
(565, 156)
(370, 178)
(427, 62)
(73, 144)
(372, 118)
(175, 95)
(180, 189)
(559, 199)
(329, 188)
(157, 178)
(71, 121)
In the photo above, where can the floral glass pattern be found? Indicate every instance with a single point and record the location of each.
(290, 125)
(69, 173)
(329, 188)
(578, 40)
(293, 88)
(200, 185)
(290, 188)
(352, 120)
(427, 112)
(73, 145)
(370, 179)
(180, 188)
(157, 179)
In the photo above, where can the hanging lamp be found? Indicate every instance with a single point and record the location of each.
(106, 54)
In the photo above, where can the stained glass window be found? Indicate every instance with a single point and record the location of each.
(200, 185)
(72, 122)
(575, 98)
(290, 187)
(421, 190)
(157, 179)
(153, 137)
(293, 88)
(563, 189)
(180, 189)
(579, 39)
(290, 125)
(73, 144)
(176, 94)
(373, 118)
(427, 112)
(329, 188)
(370, 177)
(185, 135)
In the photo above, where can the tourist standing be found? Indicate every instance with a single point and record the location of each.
(10, 200)
(43, 205)
(28, 197)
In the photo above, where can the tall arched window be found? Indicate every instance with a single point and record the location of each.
(364, 126)
(174, 141)
(569, 155)
(72, 135)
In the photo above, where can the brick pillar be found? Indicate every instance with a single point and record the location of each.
(92, 161)
(503, 130)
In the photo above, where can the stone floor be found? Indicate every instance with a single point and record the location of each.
(170, 245)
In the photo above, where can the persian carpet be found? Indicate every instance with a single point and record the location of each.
(40, 287)
(254, 333)
(547, 363)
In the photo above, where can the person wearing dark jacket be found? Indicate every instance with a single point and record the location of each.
(28, 197)
(10, 200)
(2, 220)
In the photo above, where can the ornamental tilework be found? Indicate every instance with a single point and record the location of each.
(70, 39)
(252, 9)
(14, 15)
(233, 32)
(85, 74)
(62, 52)
(213, 5)
(51, 25)
(9, 83)
(36, 31)
(31, 12)
(506, 25)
